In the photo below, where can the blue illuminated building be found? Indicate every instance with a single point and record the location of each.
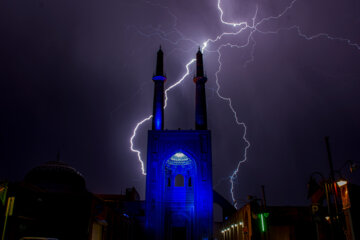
(179, 197)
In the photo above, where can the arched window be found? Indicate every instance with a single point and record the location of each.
(179, 180)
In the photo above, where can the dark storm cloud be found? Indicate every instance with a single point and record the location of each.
(76, 77)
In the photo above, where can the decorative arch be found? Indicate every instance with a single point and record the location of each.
(180, 155)
(179, 171)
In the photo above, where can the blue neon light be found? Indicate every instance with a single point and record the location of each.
(158, 124)
(162, 78)
(158, 118)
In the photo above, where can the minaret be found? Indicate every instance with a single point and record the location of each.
(159, 80)
(200, 100)
(179, 189)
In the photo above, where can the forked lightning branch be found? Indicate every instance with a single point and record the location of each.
(247, 29)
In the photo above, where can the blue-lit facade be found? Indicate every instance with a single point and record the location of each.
(179, 197)
(179, 184)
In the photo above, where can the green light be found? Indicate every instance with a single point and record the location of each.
(262, 217)
(262, 223)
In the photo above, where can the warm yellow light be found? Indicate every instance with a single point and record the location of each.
(341, 182)
(327, 218)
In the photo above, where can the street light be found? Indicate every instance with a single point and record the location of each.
(341, 182)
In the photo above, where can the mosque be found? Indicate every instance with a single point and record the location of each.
(179, 193)
(52, 201)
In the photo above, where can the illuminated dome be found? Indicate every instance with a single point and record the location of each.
(179, 159)
(56, 176)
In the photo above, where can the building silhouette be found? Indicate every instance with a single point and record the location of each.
(179, 195)
(52, 202)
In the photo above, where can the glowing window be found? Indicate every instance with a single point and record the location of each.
(179, 180)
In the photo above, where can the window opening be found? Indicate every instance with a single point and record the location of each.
(179, 180)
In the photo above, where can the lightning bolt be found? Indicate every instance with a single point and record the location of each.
(238, 28)
(138, 152)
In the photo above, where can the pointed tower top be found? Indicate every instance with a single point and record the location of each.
(199, 64)
(159, 75)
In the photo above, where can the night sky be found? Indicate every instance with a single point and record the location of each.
(75, 77)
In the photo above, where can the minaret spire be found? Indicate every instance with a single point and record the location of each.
(160, 63)
(158, 105)
(200, 99)
(199, 64)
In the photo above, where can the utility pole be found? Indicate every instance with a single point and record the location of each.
(264, 210)
(263, 196)
(335, 221)
(9, 212)
(332, 173)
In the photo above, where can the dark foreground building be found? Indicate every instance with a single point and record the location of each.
(52, 202)
(276, 223)
(313, 222)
